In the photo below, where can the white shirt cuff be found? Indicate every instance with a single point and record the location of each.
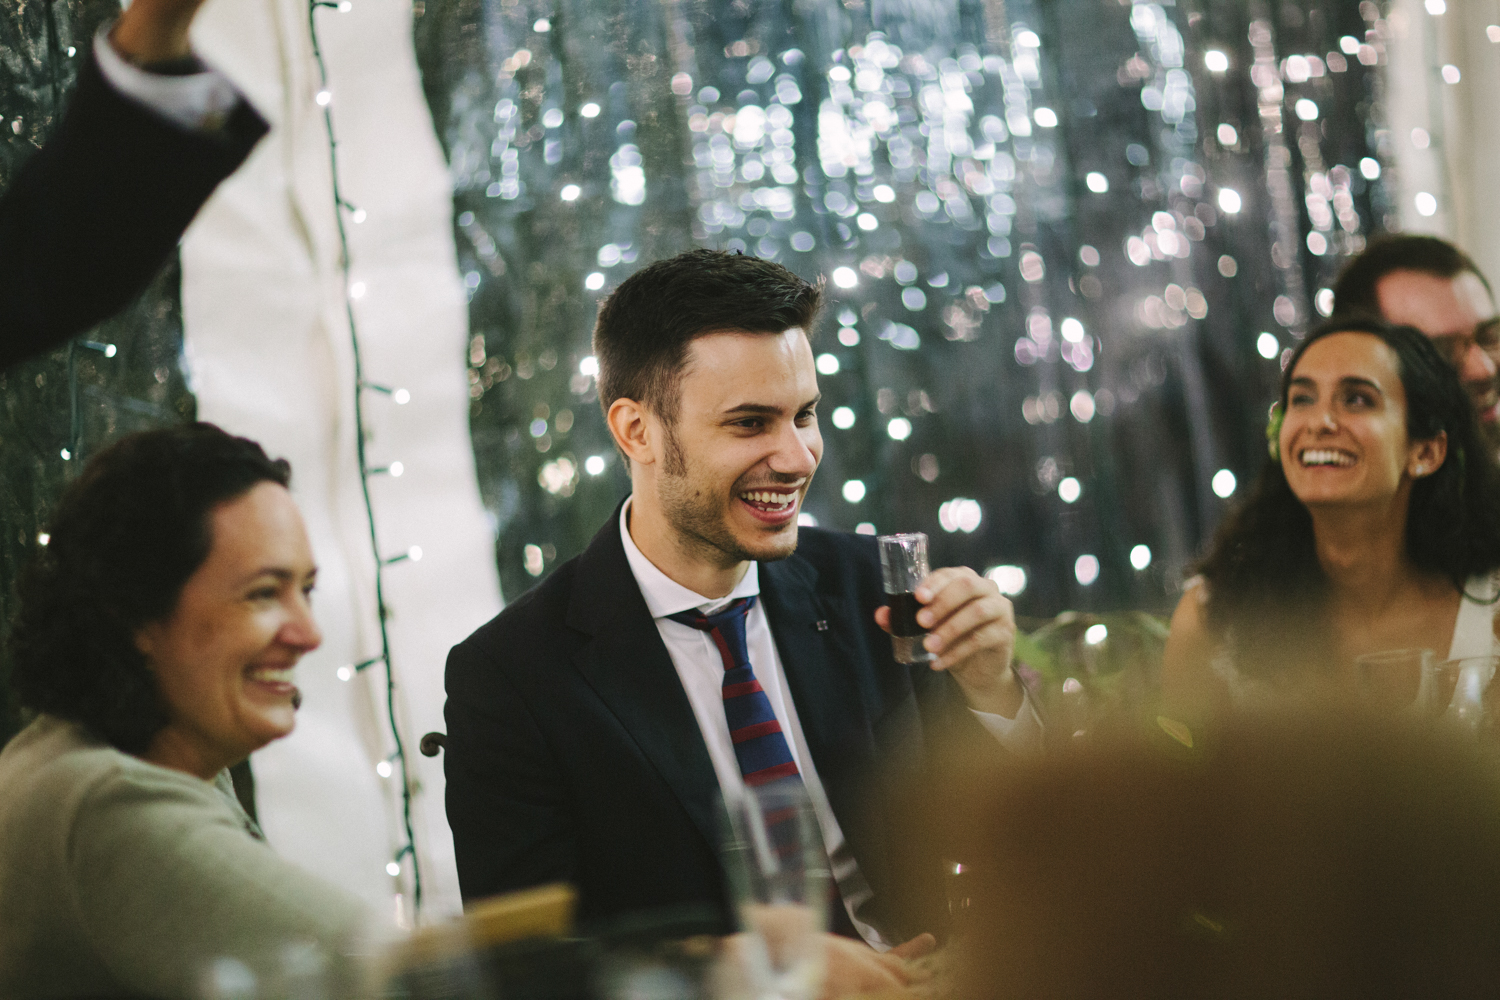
(195, 101)
(1020, 735)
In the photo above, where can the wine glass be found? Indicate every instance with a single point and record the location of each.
(1399, 680)
(779, 881)
(1457, 694)
(1470, 706)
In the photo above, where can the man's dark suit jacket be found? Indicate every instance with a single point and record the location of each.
(91, 217)
(573, 753)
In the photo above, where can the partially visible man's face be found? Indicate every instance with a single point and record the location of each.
(745, 445)
(1459, 315)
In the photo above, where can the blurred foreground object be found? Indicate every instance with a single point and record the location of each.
(781, 885)
(516, 940)
(524, 946)
(1456, 694)
(1296, 856)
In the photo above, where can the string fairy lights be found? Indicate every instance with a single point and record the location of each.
(396, 764)
(55, 84)
(55, 61)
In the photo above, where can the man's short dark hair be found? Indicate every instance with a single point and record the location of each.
(1354, 293)
(646, 324)
(127, 535)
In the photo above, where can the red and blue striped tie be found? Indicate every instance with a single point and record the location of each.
(759, 744)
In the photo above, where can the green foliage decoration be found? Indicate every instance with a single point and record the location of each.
(1078, 681)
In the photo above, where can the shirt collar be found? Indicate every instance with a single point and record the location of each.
(664, 595)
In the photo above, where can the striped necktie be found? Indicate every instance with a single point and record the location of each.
(759, 744)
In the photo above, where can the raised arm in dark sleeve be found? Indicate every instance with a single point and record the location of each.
(91, 217)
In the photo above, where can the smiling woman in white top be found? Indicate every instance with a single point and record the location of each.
(155, 647)
(1374, 526)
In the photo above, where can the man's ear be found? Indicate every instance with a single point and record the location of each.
(145, 639)
(631, 428)
(1424, 458)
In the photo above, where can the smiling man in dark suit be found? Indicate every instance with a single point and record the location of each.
(588, 735)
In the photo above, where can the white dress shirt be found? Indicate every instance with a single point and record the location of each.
(193, 101)
(701, 671)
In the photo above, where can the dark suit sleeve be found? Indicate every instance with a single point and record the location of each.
(504, 795)
(88, 221)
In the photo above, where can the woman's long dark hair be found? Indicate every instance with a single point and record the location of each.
(1267, 592)
(128, 534)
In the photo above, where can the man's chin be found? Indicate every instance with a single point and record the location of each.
(771, 546)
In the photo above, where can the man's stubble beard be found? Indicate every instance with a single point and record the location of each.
(699, 522)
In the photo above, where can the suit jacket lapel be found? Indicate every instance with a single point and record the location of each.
(628, 667)
(842, 711)
(834, 708)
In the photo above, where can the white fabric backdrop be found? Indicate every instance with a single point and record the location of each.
(1460, 164)
(269, 356)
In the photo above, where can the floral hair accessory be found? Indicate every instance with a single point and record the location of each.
(1273, 431)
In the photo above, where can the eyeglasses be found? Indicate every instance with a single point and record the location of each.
(1456, 347)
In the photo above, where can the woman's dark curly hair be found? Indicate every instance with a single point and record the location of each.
(1267, 593)
(127, 535)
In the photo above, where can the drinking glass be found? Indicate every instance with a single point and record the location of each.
(779, 880)
(1470, 705)
(1399, 680)
(903, 565)
(293, 970)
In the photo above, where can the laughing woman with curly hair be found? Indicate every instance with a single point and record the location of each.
(1374, 526)
(155, 647)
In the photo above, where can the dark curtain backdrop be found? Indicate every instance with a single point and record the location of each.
(58, 409)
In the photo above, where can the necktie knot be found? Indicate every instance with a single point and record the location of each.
(726, 627)
(736, 609)
(760, 746)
